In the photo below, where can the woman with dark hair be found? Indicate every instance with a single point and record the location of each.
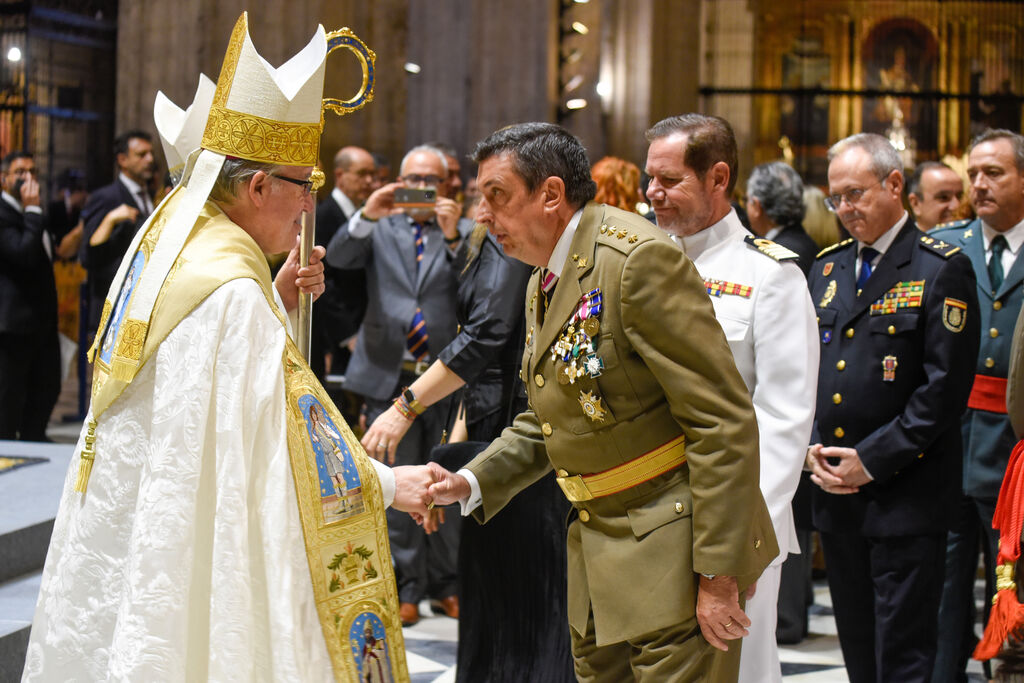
(513, 624)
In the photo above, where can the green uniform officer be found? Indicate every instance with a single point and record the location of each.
(637, 405)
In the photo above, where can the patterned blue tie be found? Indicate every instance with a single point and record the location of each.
(867, 255)
(416, 339)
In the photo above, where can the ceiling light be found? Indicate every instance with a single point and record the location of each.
(577, 103)
(14, 54)
(580, 28)
(412, 67)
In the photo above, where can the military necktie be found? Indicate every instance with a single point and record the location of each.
(548, 280)
(995, 263)
(867, 255)
(416, 339)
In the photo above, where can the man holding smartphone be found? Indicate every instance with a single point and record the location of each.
(403, 238)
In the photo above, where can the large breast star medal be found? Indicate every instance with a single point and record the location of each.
(592, 406)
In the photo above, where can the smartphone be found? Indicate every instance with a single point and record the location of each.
(414, 198)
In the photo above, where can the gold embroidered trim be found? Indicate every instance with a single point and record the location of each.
(252, 137)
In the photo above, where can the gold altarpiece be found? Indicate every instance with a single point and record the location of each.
(927, 74)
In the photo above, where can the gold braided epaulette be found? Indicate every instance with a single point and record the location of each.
(771, 249)
(940, 247)
(829, 250)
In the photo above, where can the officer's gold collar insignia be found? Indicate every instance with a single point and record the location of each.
(592, 407)
(954, 314)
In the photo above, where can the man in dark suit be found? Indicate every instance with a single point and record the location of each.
(898, 318)
(995, 165)
(775, 209)
(106, 235)
(410, 317)
(340, 309)
(935, 193)
(29, 350)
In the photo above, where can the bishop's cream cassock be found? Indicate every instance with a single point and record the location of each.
(221, 520)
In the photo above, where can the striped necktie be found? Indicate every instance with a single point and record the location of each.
(416, 339)
(548, 280)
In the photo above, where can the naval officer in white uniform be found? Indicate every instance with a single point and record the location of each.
(761, 299)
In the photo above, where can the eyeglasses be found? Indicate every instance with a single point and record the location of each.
(833, 201)
(417, 179)
(306, 185)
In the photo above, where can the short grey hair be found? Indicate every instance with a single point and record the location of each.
(234, 172)
(780, 191)
(1016, 143)
(884, 158)
(429, 149)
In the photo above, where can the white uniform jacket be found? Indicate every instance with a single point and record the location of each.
(765, 309)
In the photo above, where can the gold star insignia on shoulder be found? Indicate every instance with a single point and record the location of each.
(968, 233)
(582, 262)
(622, 233)
(633, 238)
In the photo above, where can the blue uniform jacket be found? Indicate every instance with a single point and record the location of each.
(988, 437)
(897, 363)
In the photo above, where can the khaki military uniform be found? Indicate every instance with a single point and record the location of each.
(665, 371)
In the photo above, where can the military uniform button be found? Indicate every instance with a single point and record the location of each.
(997, 305)
(993, 333)
(539, 380)
(757, 544)
(841, 365)
(584, 516)
(849, 333)
(837, 398)
(892, 329)
(562, 473)
(679, 507)
(839, 432)
(546, 428)
(989, 362)
(920, 455)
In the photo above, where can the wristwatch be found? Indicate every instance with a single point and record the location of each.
(410, 398)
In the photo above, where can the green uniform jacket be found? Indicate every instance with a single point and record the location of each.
(634, 555)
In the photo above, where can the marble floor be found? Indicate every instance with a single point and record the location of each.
(431, 648)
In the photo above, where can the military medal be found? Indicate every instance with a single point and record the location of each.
(576, 341)
(830, 293)
(903, 295)
(594, 365)
(827, 270)
(889, 369)
(592, 406)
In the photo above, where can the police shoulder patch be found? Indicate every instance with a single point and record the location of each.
(938, 246)
(772, 249)
(828, 250)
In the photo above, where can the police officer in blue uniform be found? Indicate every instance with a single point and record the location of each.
(993, 242)
(898, 324)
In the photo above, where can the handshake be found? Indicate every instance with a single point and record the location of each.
(418, 488)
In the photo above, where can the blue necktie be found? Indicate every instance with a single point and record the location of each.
(867, 255)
